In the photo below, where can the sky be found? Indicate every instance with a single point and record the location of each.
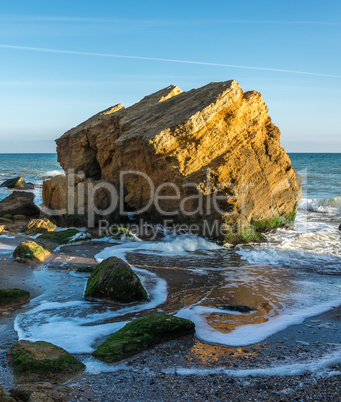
(63, 61)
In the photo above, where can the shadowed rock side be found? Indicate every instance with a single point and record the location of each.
(217, 137)
(114, 280)
(142, 334)
(42, 361)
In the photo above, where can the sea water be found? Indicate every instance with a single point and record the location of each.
(295, 275)
(34, 168)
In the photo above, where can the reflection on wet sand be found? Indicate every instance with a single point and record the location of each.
(259, 287)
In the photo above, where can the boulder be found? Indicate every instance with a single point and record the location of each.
(42, 361)
(4, 397)
(36, 226)
(142, 334)
(43, 392)
(17, 183)
(86, 270)
(216, 145)
(19, 203)
(13, 297)
(30, 252)
(64, 236)
(114, 280)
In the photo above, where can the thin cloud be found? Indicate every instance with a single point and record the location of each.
(47, 18)
(202, 63)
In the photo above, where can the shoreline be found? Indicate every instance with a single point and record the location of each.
(155, 374)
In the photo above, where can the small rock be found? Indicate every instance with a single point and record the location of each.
(114, 280)
(30, 252)
(42, 361)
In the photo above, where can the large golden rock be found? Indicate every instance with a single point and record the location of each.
(217, 145)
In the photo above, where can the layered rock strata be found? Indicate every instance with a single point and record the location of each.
(206, 156)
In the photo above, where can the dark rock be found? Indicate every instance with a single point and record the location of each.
(42, 361)
(142, 334)
(44, 392)
(65, 236)
(17, 183)
(239, 308)
(114, 280)
(13, 297)
(4, 397)
(19, 203)
(85, 269)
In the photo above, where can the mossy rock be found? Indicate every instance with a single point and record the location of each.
(13, 297)
(42, 361)
(30, 251)
(142, 334)
(243, 236)
(276, 222)
(65, 236)
(86, 269)
(113, 279)
(4, 397)
(15, 182)
(122, 233)
(36, 226)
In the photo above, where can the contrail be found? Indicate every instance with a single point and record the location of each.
(47, 18)
(202, 63)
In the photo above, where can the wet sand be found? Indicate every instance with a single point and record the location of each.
(156, 374)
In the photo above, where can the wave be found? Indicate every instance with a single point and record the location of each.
(50, 173)
(327, 206)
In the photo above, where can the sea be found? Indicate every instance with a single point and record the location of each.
(293, 276)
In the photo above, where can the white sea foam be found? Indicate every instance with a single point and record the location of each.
(169, 246)
(50, 173)
(327, 206)
(312, 366)
(249, 334)
(75, 325)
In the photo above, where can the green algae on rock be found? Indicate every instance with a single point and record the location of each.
(65, 236)
(87, 270)
(13, 297)
(42, 361)
(17, 183)
(114, 280)
(30, 251)
(142, 334)
(123, 233)
(36, 226)
(244, 235)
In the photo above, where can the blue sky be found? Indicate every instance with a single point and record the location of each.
(44, 93)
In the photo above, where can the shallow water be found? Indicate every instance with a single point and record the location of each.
(295, 275)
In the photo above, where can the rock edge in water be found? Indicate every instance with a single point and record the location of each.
(217, 137)
(30, 252)
(142, 334)
(42, 361)
(113, 279)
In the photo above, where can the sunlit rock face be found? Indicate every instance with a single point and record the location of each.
(217, 146)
